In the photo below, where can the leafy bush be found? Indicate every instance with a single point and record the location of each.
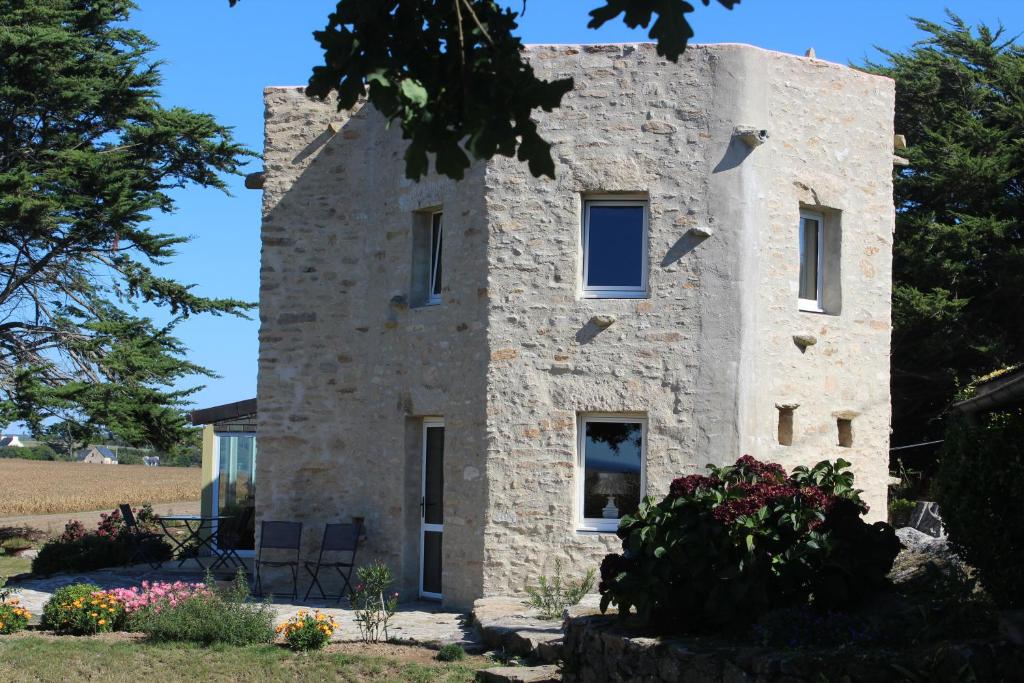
(452, 652)
(220, 616)
(307, 631)
(373, 607)
(83, 609)
(798, 627)
(720, 550)
(900, 510)
(13, 617)
(110, 545)
(978, 486)
(552, 597)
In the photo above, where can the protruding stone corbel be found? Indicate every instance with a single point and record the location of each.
(899, 142)
(753, 137)
(810, 53)
(900, 161)
(335, 127)
(254, 181)
(804, 340)
(602, 322)
(701, 232)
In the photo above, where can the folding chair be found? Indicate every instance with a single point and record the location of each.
(279, 536)
(139, 538)
(338, 538)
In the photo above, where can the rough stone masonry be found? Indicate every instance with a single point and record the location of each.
(717, 358)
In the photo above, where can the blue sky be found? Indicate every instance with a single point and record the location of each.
(218, 59)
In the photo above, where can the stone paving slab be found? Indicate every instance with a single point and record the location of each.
(421, 623)
(508, 624)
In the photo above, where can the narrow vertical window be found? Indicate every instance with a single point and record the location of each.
(611, 457)
(845, 427)
(812, 261)
(434, 289)
(614, 249)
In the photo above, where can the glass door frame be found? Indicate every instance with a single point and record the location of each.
(216, 482)
(428, 423)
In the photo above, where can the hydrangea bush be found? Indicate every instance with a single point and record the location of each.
(724, 548)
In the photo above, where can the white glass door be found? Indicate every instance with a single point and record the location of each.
(432, 508)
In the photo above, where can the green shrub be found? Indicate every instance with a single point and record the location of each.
(57, 611)
(307, 631)
(452, 652)
(222, 616)
(92, 552)
(372, 603)
(900, 510)
(552, 596)
(721, 550)
(978, 487)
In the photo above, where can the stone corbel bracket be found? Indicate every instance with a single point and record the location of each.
(751, 136)
(602, 322)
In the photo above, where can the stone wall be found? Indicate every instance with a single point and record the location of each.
(708, 355)
(597, 650)
(347, 369)
(510, 360)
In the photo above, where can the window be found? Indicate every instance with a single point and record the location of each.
(812, 261)
(427, 256)
(786, 425)
(434, 286)
(614, 248)
(845, 427)
(611, 457)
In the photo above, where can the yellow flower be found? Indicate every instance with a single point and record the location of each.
(102, 621)
(93, 614)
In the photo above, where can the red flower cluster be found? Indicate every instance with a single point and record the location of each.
(762, 470)
(756, 497)
(687, 486)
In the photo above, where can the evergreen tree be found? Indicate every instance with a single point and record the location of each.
(958, 299)
(87, 159)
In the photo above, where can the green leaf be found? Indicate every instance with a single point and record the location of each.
(414, 91)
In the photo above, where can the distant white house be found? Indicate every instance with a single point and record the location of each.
(151, 460)
(97, 455)
(11, 442)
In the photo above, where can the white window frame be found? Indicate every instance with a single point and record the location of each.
(602, 525)
(616, 291)
(813, 305)
(434, 258)
(429, 422)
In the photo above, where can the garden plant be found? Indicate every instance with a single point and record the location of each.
(208, 616)
(720, 550)
(83, 609)
(307, 631)
(13, 617)
(373, 606)
(551, 597)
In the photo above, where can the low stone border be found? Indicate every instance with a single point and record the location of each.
(597, 649)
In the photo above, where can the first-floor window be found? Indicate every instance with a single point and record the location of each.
(614, 249)
(611, 457)
(434, 287)
(812, 261)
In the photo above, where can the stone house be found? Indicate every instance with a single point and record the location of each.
(97, 455)
(492, 371)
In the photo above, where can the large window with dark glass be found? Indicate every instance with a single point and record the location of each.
(236, 489)
(611, 462)
(614, 248)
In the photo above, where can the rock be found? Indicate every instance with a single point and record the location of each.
(602, 321)
(917, 541)
(804, 340)
(548, 673)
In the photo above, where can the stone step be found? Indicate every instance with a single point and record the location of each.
(547, 673)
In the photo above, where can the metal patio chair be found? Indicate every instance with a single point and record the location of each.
(279, 536)
(139, 538)
(338, 538)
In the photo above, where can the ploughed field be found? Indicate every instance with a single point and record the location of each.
(30, 487)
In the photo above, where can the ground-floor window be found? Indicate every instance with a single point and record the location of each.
(236, 489)
(611, 461)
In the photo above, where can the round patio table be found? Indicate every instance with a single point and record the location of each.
(194, 525)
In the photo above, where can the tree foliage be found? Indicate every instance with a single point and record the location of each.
(959, 247)
(452, 73)
(88, 158)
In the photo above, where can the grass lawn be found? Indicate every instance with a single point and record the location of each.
(121, 657)
(9, 566)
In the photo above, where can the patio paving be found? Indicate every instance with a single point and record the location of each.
(419, 622)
